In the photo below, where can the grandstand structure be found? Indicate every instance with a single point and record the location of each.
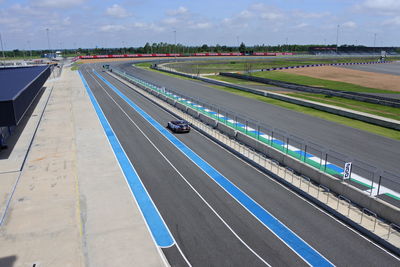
(352, 51)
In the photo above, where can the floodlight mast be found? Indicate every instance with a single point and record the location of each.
(337, 38)
(2, 50)
(48, 39)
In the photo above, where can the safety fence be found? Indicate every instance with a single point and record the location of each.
(383, 232)
(370, 179)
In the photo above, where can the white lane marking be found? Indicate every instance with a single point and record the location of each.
(147, 226)
(190, 185)
(306, 201)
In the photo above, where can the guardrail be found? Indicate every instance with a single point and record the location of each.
(383, 232)
(309, 159)
(345, 94)
(384, 122)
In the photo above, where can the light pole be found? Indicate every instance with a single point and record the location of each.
(337, 38)
(29, 47)
(287, 44)
(2, 50)
(374, 41)
(175, 40)
(48, 40)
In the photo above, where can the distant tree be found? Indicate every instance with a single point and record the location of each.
(204, 48)
(242, 48)
(147, 48)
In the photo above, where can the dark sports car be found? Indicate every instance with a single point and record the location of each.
(180, 126)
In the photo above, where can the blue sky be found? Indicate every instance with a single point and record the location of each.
(116, 23)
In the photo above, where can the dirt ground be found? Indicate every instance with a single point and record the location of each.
(363, 78)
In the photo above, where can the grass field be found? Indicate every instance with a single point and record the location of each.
(76, 65)
(380, 110)
(234, 80)
(236, 65)
(375, 109)
(304, 80)
(394, 134)
(143, 64)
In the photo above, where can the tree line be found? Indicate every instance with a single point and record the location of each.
(178, 48)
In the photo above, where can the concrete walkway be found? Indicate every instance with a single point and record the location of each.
(71, 205)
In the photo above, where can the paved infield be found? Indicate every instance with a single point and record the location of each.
(196, 220)
(375, 150)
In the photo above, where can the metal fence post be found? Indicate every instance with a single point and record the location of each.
(235, 122)
(379, 184)
(305, 152)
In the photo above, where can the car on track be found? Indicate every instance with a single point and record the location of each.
(179, 126)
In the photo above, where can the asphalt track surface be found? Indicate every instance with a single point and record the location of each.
(202, 217)
(390, 68)
(375, 150)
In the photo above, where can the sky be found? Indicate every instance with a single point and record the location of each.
(132, 23)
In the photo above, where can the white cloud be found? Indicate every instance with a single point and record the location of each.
(57, 3)
(300, 25)
(382, 4)
(67, 21)
(271, 15)
(171, 21)
(245, 14)
(117, 11)
(112, 28)
(383, 7)
(148, 26)
(392, 22)
(180, 11)
(201, 25)
(305, 15)
(349, 24)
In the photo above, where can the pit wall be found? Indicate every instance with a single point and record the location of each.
(381, 208)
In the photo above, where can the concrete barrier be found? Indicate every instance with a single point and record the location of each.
(181, 106)
(345, 94)
(163, 97)
(207, 120)
(381, 208)
(171, 101)
(226, 130)
(247, 140)
(192, 112)
(384, 122)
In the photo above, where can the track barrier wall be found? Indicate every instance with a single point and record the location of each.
(345, 94)
(306, 158)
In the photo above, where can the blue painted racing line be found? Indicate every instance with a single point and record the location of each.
(158, 229)
(299, 246)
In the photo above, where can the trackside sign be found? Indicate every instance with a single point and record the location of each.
(347, 170)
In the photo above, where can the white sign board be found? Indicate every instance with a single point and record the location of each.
(347, 170)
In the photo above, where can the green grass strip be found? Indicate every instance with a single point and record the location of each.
(393, 196)
(361, 183)
(375, 109)
(279, 147)
(309, 81)
(389, 133)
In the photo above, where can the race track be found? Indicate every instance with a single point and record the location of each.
(209, 225)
